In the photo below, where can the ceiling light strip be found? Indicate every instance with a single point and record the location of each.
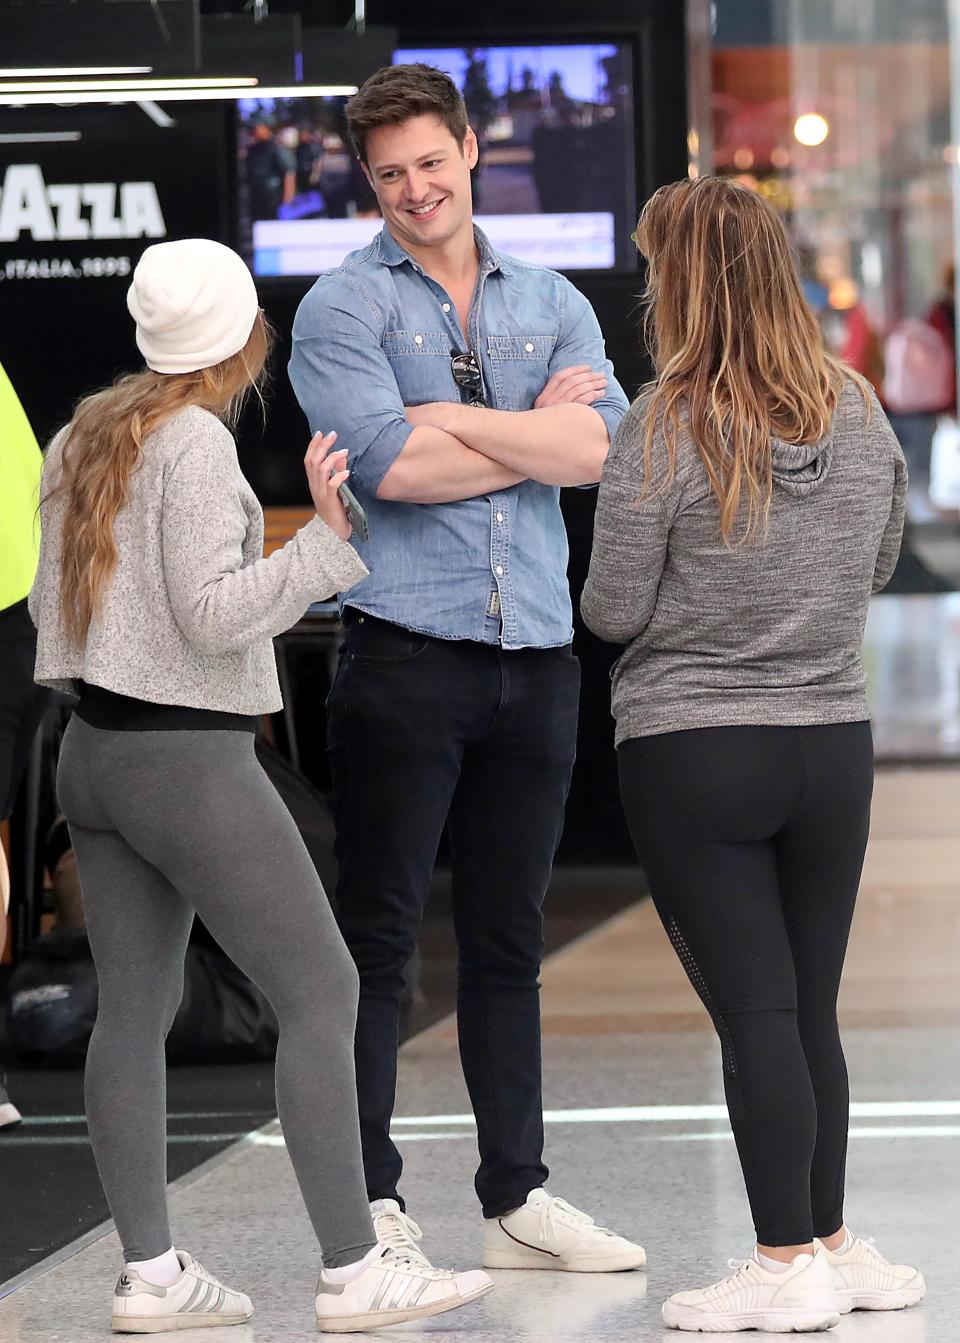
(176, 95)
(124, 85)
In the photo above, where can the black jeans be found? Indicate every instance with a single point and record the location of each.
(752, 839)
(423, 732)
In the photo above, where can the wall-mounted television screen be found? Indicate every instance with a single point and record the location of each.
(555, 183)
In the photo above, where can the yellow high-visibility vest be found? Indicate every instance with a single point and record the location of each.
(20, 464)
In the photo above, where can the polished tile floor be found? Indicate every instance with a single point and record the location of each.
(635, 1128)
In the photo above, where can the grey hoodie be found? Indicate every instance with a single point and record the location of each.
(769, 633)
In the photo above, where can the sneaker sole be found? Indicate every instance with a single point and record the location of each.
(507, 1259)
(898, 1300)
(771, 1322)
(160, 1324)
(379, 1319)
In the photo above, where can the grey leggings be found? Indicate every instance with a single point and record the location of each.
(163, 824)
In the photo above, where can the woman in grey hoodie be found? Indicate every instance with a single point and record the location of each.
(751, 502)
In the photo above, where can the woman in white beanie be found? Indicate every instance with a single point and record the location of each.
(155, 606)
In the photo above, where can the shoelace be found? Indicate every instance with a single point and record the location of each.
(569, 1215)
(412, 1261)
(870, 1246)
(400, 1233)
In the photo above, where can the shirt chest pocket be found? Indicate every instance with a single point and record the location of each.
(520, 366)
(421, 365)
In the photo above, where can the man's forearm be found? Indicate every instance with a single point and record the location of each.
(556, 445)
(437, 468)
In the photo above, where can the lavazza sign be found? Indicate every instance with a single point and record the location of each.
(33, 211)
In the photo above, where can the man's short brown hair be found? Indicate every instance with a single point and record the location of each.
(397, 93)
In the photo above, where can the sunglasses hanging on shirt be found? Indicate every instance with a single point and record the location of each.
(468, 376)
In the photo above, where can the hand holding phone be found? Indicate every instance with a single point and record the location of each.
(354, 511)
(326, 472)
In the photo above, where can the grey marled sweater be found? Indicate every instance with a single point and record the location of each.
(189, 614)
(766, 634)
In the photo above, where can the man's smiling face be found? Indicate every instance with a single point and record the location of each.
(421, 177)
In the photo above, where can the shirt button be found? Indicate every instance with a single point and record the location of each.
(446, 307)
(499, 517)
(499, 571)
(528, 347)
(418, 339)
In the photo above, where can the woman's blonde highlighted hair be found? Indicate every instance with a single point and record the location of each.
(739, 356)
(102, 450)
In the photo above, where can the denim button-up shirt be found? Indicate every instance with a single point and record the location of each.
(375, 336)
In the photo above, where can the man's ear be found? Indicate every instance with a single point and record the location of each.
(471, 149)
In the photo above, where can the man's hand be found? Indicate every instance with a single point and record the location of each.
(578, 386)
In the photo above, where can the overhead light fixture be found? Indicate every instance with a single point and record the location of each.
(39, 137)
(65, 71)
(125, 85)
(177, 95)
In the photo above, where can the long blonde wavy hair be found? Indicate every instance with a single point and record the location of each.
(103, 447)
(738, 354)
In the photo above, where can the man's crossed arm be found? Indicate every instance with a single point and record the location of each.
(459, 451)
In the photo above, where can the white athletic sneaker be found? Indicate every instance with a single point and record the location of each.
(867, 1281)
(393, 1227)
(800, 1300)
(9, 1114)
(392, 1289)
(195, 1301)
(548, 1233)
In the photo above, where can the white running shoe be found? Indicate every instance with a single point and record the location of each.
(867, 1281)
(9, 1114)
(392, 1289)
(195, 1301)
(393, 1227)
(548, 1233)
(801, 1300)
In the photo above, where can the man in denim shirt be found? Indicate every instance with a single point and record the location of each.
(467, 388)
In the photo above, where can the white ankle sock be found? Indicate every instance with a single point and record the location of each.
(350, 1272)
(160, 1272)
(772, 1265)
(846, 1243)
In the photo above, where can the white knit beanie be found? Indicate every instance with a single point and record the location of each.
(194, 303)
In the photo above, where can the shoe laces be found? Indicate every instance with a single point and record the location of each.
(200, 1272)
(870, 1245)
(411, 1260)
(400, 1234)
(558, 1210)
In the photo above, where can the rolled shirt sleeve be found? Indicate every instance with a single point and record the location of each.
(581, 342)
(343, 380)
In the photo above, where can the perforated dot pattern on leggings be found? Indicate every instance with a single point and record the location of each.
(695, 975)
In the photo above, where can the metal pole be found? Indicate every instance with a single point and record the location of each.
(953, 13)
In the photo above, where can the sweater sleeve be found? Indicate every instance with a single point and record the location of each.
(221, 605)
(629, 538)
(889, 551)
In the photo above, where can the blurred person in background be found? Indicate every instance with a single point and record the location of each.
(22, 702)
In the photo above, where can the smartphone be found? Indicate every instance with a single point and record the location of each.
(355, 514)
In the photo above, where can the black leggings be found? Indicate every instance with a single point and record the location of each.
(752, 839)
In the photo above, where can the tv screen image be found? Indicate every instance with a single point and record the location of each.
(555, 183)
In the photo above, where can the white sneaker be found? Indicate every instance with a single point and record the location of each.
(867, 1281)
(392, 1289)
(194, 1301)
(548, 1233)
(393, 1227)
(9, 1114)
(800, 1300)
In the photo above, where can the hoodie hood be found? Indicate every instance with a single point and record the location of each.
(800, 468)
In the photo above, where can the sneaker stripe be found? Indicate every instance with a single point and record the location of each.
(526, 1245)
(384, 1289)
(418, 1291)
(198, 1290)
